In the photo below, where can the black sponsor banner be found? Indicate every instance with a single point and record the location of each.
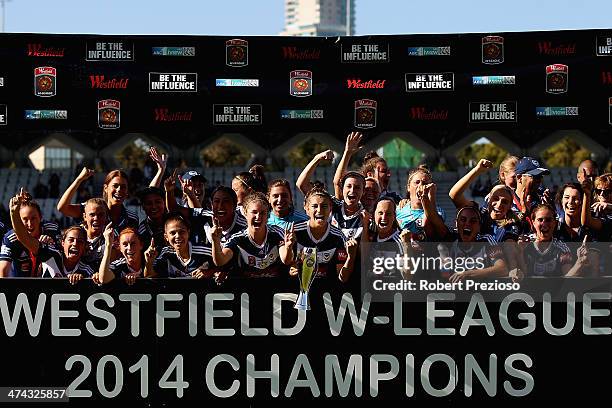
(414, 80)
(184, 342)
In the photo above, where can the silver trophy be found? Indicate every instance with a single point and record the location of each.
(306, 275)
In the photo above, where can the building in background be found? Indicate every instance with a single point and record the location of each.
(325, 18)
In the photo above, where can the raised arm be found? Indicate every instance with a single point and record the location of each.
(64, 205)
(286, 251)
(433, 222)
(187, 187)
(160, 161)
(456, 192)
(346, 270)
(29, 242)
(586, 218)
(350, 148)
(220, 255)
(149, 256)
(105, 275)
(582, 261)
(303, 182)
(169, 187)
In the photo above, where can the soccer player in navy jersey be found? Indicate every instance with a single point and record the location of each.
(258, 251)
(47, 261)
(115, 192)
(545, 255)
(181, 258)
(132, 262)
(335, 255)
(15, 259)
(387, 230)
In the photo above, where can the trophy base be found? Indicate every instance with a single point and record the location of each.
(302, 301)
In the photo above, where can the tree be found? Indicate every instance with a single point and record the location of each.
(300, 156)
(225, 153)
(477, 151)
(565, 153)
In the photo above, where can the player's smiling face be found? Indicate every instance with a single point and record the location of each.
(280, 200)
(352, 191)
(499, 204)
(223, 207)
(73, 244)
(130, 246)
(370, 195)
(384, 216)
(318, 209)
(571, 201)
(544, 224)
(468, 224)
(177, 234)
(256, 215)
(154, 206)
(95, 218)
(116, 190)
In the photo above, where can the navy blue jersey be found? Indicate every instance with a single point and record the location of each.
(52, 264)
(24, 264)
(201, 224)
(169, 265)
(350, 225)
(483, 252)
(2, 229)
(547, 259)
(147, 230)
(199, 218)
(94, 252)
(120, 268)
(258, 261)
(566, 234)
(510, 230)
(331, 249)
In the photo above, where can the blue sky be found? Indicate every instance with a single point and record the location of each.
(265, 17)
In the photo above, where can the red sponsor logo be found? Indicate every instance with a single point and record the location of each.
(100, 82)
(370, 84)
(606, 78)
(38, 50)
(555, 50)
(422, 113)
(301, 54)
(166, 115)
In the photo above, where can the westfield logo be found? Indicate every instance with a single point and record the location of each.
(371, 84)
(421, 113)
(37, 50)
(100, 82)
(299, 54)
(547, 48)
(165, 115)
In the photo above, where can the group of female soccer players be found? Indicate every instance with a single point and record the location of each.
(253, 229)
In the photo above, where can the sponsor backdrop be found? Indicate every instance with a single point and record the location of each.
(202, 344)
(188, 88)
